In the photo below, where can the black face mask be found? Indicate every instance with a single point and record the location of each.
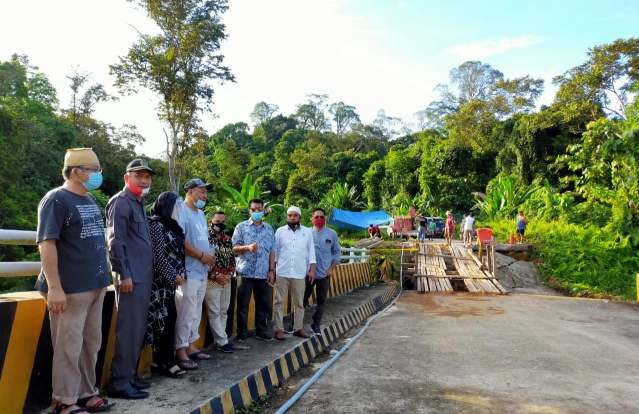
(293, 226)
(219, 226)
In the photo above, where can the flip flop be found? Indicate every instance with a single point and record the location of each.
(174, 372)
(187, 364)
(61, 407)
(102, 405)
(200, 355)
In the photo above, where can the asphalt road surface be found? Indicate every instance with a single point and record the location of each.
(488, 354)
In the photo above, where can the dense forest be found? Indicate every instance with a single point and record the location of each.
(485, 144)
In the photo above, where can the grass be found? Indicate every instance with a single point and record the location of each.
(580, 260)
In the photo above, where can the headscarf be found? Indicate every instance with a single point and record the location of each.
(163, 209)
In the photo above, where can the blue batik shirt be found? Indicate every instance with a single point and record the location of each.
(249, 264)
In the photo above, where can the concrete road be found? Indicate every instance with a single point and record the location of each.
(488, 354)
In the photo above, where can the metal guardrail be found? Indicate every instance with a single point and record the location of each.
(18, 238)
(28, 238)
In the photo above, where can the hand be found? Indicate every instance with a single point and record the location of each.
(56, 300)
(208, 259)
(180, 280)
(222, 279)
(329, 273)
(270, 279)
(125, 285)
(252, 247)
(311, 276)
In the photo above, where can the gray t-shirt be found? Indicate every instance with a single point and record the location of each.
(195, 232)
(75, 222)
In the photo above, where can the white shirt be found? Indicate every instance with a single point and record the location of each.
(294, 251)
(469, 223)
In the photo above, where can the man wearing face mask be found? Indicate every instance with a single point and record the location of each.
(253, 243)
(218, 291)
(199, 259)
(295, 258)
(327, 252)
(73, 279)
(131, 254)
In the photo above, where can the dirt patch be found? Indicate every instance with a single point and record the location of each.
(457, 308)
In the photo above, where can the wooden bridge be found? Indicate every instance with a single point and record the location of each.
(440, 267)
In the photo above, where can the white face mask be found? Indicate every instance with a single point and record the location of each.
(145, 191)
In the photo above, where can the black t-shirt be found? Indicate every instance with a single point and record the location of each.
(75, 222)
(422, 221)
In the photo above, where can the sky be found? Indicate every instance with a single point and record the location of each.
(372, 54)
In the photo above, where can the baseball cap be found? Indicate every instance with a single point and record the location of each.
(139, 164)
(197, 183)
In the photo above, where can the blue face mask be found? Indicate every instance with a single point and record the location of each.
(257, 215)
(95, 181)
(200, 204)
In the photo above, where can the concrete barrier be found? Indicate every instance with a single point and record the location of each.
(26, 351)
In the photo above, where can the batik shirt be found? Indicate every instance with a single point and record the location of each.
(224, 257)
(249, 264)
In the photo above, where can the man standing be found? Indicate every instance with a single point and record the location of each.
(73, 278)
(199, 259)
(253, 242)
(327, 252)
(131, 254)
(295, 258)
(218, 292)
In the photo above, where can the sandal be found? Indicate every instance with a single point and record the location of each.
(200, 355)
(174, 372)
(187, 364)
(101, 405)
(61, 407)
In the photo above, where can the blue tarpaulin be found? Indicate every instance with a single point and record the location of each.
(358, 220)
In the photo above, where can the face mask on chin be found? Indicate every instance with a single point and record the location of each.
(134, 189)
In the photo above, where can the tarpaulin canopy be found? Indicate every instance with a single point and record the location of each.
(358, 220)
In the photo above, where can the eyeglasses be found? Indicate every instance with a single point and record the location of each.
(91, 170)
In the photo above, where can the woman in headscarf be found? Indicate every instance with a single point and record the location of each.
(168, 272)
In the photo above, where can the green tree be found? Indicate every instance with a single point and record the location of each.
(178, 64)
(311, 115)
(344, 117)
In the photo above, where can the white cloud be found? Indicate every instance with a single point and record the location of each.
(481, 49)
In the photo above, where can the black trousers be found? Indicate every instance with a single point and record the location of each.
(129, 333)
(321, 292)
(263, 294)
(164, 352)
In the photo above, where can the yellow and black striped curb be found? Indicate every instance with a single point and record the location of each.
(249, 389)
(26, 351)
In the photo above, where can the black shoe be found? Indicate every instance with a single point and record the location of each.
(227, 349)
(129, 393)
(240, 339)
(316, 329)
(263, 337)
(140, 384)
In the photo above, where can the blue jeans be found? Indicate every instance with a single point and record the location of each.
(422, 233)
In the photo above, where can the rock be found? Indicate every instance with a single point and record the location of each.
(525, 274)
(503, 260)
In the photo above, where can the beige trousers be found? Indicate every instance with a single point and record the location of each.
(283, 285)
(76, 335)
